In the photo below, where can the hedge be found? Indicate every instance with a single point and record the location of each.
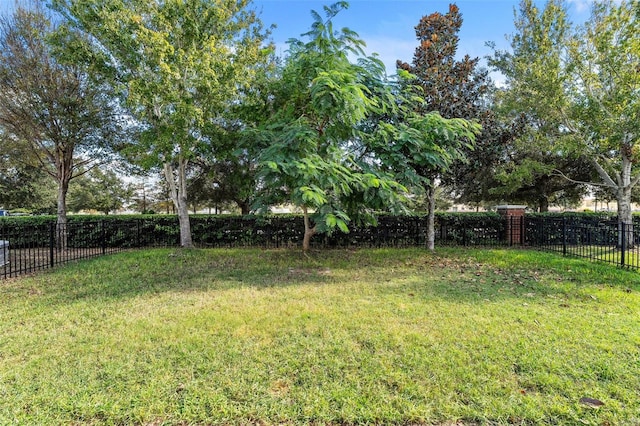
(131, 231)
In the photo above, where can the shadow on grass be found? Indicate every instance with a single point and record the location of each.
(451, 274)
(176, 270)
(491, 275)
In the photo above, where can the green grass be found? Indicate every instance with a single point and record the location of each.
(605, 254)
(338, 337)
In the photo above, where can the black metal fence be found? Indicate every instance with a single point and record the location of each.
(32, 248)
(598, 240)
(26, 248)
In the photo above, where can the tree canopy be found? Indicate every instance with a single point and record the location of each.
(452, 88)
(317, 105)
(179, 64)
(52, 115)
(578, 90)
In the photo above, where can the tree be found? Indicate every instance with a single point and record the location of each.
(229, 176)
(316, 108)
(151, 195)
(181, 65)
(580, 89)
(415, 146)
(605, 109)
(25, 187)
(50, 109)
(231, 180)
(536, 80)
(452, 88)
(99, 190)
(528, 173)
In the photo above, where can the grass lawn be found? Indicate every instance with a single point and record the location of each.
(337, 337)
(605, 254)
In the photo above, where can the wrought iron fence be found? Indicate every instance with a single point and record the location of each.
(35, 247)
(603, 241)
(29, 248)
(26, 248)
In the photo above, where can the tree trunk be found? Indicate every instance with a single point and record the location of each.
(177, 182)
(622, 183)
(308, 230)
(245, 207)
(61, 222)
(625, 219)
(543, 204)
(431, 231)
(64, 170)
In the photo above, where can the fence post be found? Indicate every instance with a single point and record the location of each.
(103, 237)
(623, 246)
(564, 236)
(52, 241)
(464, 235)
(510, 231)
(522, 234)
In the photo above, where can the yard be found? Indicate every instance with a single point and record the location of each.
(337, 337)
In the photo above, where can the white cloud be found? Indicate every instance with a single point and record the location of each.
(391, 49)
(581, 6)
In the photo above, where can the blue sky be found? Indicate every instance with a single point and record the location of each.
(387, 26)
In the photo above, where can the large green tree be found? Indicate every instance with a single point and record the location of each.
(24, 185)
(537, 77)
(316, 108)
(101, 190)
(604, 114)
(416, 146)
(51, 113)
(578, 87)
(231, 180)
(453, 88)
(529, 173)
(180, 64)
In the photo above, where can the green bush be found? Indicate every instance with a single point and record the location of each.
(131, 231)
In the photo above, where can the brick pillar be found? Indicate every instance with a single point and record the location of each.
(514, 216)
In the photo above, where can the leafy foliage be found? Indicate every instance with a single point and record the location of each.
(317, 105)
(52, 115)
(605, 112)
(451, 87)
(24, 186)
(99, 190)
(577, 88)
(535, 97)
(180, 66)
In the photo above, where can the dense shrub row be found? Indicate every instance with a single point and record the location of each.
(586, 218)
(470, 229)
(130, 231)
(586, 229)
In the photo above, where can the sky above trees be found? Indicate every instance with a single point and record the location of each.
(387, 26)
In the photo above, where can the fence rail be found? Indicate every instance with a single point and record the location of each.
(602, 241)
(44, 246)
(29, 248)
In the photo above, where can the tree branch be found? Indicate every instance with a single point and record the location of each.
(609, 182)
